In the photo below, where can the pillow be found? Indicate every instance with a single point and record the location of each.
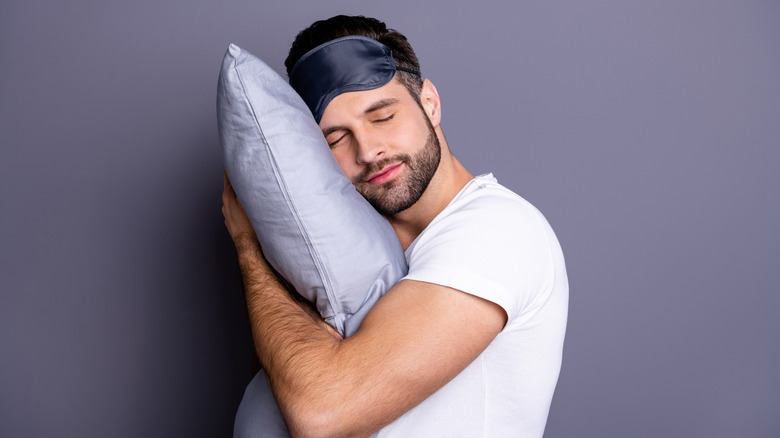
(315, 229)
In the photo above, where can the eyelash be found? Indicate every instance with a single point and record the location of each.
(333, 143)
(386, 119)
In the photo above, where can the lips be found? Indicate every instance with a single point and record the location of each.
(385, 174)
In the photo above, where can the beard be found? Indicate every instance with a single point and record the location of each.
(400, 193)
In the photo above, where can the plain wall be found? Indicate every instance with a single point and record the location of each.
(647, 132)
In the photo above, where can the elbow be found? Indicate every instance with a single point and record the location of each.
(312, 425)
(318, 422)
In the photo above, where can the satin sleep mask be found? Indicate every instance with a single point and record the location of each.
(350, 63)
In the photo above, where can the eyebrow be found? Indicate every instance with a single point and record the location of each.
(376, 106)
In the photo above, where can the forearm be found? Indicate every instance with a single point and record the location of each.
(294, 348)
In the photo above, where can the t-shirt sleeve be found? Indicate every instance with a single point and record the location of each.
(495, 247)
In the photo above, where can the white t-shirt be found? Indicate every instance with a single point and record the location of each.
(491, 243)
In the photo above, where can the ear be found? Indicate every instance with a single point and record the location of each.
(429, 99)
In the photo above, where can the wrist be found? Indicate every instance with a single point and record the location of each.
(246, 243)
(250, 256)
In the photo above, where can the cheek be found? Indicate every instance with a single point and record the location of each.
(346, 161)
(409, 137)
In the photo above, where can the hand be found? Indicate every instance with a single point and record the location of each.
(236, 220)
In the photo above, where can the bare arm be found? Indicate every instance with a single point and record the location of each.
(416, 338)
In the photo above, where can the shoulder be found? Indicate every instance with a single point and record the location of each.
(489, 242)
(487, 213)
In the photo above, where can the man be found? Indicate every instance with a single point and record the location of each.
(469, 342)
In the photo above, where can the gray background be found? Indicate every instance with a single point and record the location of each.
(647, 132)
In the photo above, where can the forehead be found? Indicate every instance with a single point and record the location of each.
(355, 104)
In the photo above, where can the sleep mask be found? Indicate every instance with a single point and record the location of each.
(350, 63)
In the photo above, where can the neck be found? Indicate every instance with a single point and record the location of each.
(449, 179)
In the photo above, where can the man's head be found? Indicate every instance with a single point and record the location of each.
(380, 119)
(341, 25)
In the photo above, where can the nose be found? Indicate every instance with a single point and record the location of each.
(371, 147)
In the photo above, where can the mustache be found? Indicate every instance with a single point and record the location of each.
(381, 164)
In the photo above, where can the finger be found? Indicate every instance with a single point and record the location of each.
(228, 193)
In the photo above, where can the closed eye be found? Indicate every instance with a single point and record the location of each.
(334, 142)
(386, 119)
